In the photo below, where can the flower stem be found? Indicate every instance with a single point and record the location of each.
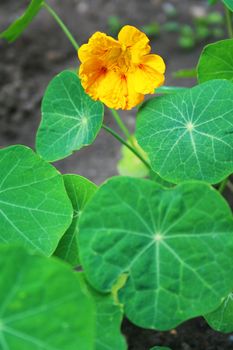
(223, 185)
(229, 22)
(62, 25)
(121, 140)
(120, 123)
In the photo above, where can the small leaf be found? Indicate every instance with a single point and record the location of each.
(70, 118)
(17, 28)
(228, 4)
(185, 73)
(215, 18)
(34, 207)
(216, 61)
(221, 319)
(42, 304)
(79, 190)
(151, 29)
(131, 165)
(212, 2)
(188, 135)
(175, 245)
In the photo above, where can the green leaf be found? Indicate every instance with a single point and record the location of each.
(42, 304)
(222, 319)
(228, 4)
(108, 321)
(17, 28)
(80, 190)
(186, 42)
(175, 245)
(131, 165)
(185, 73)
(160, 348)
(70, 118)
(152, 29)
(216, 61)
(189, 135)
(212, 2)
(214, 18)
(34, 207)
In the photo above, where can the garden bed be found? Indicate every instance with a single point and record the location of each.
(27, 66)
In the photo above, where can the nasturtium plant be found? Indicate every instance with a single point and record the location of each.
(183, 237)
(188, 135)
(42, 304)
(221, 319)
(80, 190)
(70, 118)
(216, 61)
(18, 27)
(35, 209)
(157, 250)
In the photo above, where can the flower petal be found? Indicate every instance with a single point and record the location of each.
(91, 72)
(100, 45)
(154, 61)
(120, 73)
(116, 92)
(135, 40)
(149, 74)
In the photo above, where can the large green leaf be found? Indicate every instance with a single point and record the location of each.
(80, 190)
(222, 319)
(228, 4)
(216, 61)
(16, 28)
(175, 246)
(70, 118)
(34, 207)
(189, 135)
(42, 304)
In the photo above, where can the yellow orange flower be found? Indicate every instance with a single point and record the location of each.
(120, 72)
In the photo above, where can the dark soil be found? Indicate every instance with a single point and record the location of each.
(194, 334)
(27, 66)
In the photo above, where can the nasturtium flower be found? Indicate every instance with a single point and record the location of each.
(120, 72)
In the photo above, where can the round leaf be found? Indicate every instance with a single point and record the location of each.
(175, 245)
(222, 319)
(34, 207)
(216, 61)
(70, 118)
(79, 190)
(189, 135)
(42, 304)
